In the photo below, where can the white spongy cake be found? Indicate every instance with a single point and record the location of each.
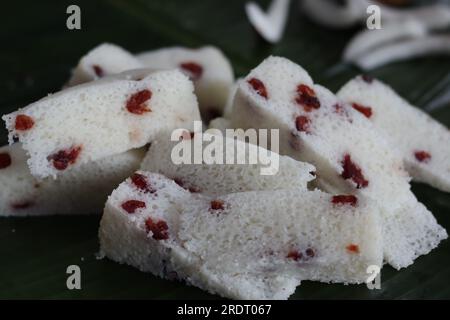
(105, 59)
(234, 245)
(350, 155)
(266, 171)
(98, 119)
(79, 191)
(423, 142)
(208, 68)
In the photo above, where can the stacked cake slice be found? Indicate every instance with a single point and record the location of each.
(350, 155)
(78, 191)
(423, 142)
(234, 245)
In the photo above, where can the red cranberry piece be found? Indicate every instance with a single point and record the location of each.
(422, 156)
(131, 206)
(352, 171)
(294, 255)
(194, 70)
(302, 124)
(345, 199)
(5, 160)
(367, 111)
(21, 205)
(159, 229)
(367, 78)
(141, 183)
(62, 159)
(136, 103)
(23, 122)
(306, 97)
(259, 87)
(353, 248)
(217, 205)
(98, 70)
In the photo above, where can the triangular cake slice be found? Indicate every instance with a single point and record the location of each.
(350, 155)
(234, 245)
(79, 191)
(268, 171)
(423, 142)
(101, 118)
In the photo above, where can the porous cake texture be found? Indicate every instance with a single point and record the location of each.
(82, 190)
(350, 155)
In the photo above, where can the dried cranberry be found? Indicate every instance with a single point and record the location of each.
(159, 229)
(367, 78)
(345, 199)
(141, 183)
(62, 159)
(136, 103)
(367, 111)
(194, 70)
(259, 87)
(294, 255)
(217, 205)
(302, 124)
(98, 70)
(352, 171)
(23, 122)
(131, 206)
(5, 160)
(422, 156)
(307, 98)
(353, 248)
